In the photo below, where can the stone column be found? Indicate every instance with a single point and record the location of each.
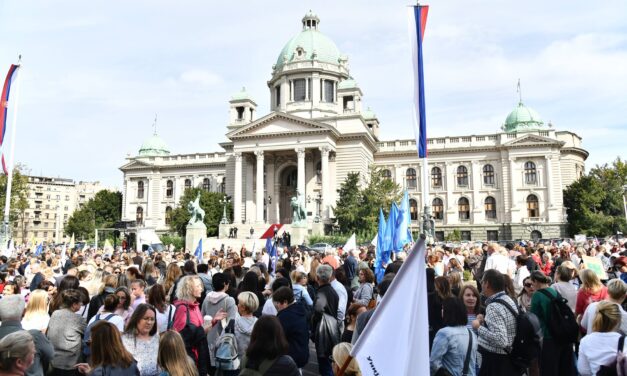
(326, 183)
(549, 185)
(511, 183)
(237, 190)
(301, 171)
(269, 183)
(260, 190)
(307, 89)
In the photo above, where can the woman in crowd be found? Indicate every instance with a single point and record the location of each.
(36, 314)
(365, 292)
(245, 321)
(454, 266)
(69, 282)
(141, 341)
(107, 309)
(472, 301)
(17, 353)
(250, 283)
(150, 272)
(520, 274)
(524, 298)
(109, 357)
(563, 275)
(65, 332)
(592, 290)
(172, 274)
(455, 280)
(124, 309)
(165, 311)
(173, 359)
(299, 286)
(451, 343)
(341, 352)
(351, 320)
(600, 347)
(267, 351)
(547, 265)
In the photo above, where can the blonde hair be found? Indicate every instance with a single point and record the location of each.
(590, 280)
(607, 318)
(173, 357)
(296, 276)
(341, 352)
(185, 287)
(249, 300)
(37, 304)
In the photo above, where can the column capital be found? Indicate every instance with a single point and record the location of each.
(259, 154)
(325, 150)
(300, 152)
(238, 156)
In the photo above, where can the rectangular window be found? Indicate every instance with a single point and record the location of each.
(439, 236)
(240, 112)
(299, 90)
(277, 91)
(327, 91)
(493, 235)
(465, 235)
(349, 103)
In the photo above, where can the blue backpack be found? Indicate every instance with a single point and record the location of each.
(87, 335)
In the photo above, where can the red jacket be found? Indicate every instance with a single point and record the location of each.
(180, 316)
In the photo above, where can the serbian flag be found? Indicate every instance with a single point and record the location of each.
(417, 22)
(4, 106)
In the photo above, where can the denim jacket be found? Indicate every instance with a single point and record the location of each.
(449, 350)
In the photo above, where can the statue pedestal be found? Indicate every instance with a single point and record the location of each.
(299, 235)
(317, 228)
(193, 235)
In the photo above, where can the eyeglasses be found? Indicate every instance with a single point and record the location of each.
(528, 285)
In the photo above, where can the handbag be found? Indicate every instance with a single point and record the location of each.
(442, 371)
(611, 369)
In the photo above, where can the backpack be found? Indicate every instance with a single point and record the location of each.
(226, 349)
(87, 335)
(561, 321)
(298, 298)
(194, 338)
(526, 345)
(617, 366)
(261, 370)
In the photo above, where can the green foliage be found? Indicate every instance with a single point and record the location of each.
(357, 209)
(340, 238)
(454, 236)
(595, 201)
(209, 202)
(177, 241)
(19, 199)
(101, 211)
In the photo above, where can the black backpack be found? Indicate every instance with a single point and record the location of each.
(527, 342)
(561, 321)
(87, 335)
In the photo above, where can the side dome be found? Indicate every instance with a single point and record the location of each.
(309, 44)
(523, 118)
(153, 146)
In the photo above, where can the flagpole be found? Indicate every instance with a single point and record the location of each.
(7, 201)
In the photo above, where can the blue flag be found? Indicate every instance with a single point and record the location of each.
(402, 234)
(198, 252)
(271, 249)
(378, 264)
(39, 249)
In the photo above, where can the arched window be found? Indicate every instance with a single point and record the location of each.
(413, 209)
(140, 189)
(318, 173)
(387, 174)
(436, 177)
(536, 235)
(188, 183)
(168, 215)
(530, 173)
(410, 177)
(490, 208)
(464, 208)
(206, 184)
(222, 185)
(438, 208)
(462, 176)
(139, 216)
(488, 174)
(169, 189)
(533, 210)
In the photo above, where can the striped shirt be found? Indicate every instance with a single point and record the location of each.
(497, 333)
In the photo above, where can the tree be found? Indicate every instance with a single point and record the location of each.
(101, 211)
(209, 202)
(19, 197)
(349, 202)
(595, 201)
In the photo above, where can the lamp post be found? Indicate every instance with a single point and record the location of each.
(625, 200)
(224, 201)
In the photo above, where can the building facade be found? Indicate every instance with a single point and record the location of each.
(504, 185)
(51, 201)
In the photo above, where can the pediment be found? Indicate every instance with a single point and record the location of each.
(135, 164)
(279, 124)
(532, 140)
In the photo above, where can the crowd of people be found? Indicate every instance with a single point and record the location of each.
(99, 312)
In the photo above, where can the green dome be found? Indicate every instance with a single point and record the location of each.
(347, 84)
(241, 95)
(522, 119)
(308, 42)
(368, 114)
(154, 146)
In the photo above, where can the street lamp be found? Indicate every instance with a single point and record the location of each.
(224, 201)
(625, 200)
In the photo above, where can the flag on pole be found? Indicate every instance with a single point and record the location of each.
(378, 263)
(39, 249)
(198, 252)
(72, 245)
(63, 254)
(417, 22)
(271, 249)
(402, 234)
(351, 244)
(4, 106)
(402, 311)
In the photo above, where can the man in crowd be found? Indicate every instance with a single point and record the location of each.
(325, 326)
(292, 318)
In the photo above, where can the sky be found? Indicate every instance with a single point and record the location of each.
(95, 73)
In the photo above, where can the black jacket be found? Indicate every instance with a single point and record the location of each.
(97, 301)
(296, 331)
(325, 325)
(44, 351)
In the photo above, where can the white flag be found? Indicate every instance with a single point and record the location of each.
(396, 339)
(351, 244)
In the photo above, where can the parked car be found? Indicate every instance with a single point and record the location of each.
(321, 247)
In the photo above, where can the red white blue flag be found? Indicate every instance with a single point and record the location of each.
(417, 22)
(4, 106)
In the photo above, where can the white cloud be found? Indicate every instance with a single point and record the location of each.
(202, 77)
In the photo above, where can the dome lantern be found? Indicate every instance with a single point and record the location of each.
(523, 119)
(310, 21)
